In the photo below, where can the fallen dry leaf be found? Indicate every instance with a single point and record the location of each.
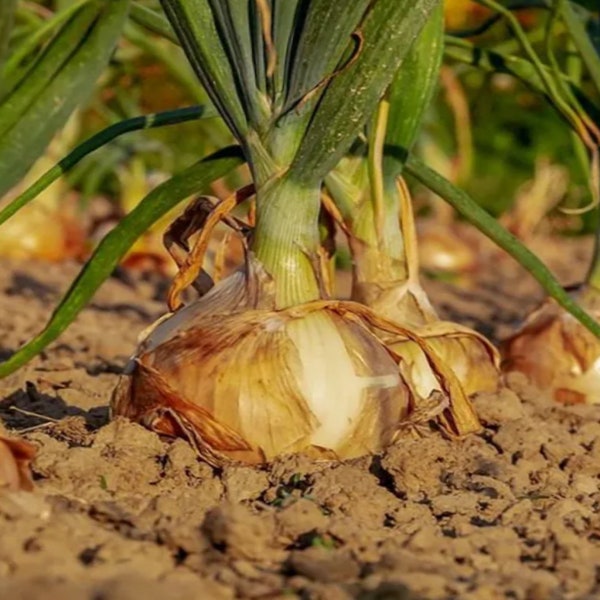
(15, 457)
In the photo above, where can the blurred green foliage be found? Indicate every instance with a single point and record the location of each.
(146, 74)
(510, 125)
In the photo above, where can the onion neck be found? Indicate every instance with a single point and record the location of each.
(286, 238)
(379, 256)
(376, 240)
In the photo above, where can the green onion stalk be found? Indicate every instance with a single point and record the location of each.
(364, 186)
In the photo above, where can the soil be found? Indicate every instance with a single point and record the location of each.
(118, 513)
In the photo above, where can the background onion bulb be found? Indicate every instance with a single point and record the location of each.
(472, 358)
(557, 353)
(50, 228)
(447, 248)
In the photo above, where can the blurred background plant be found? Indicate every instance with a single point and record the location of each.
(494, 132)
(562, 41)
(144, 74)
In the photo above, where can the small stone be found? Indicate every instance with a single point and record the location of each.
(321, 564)
(234, 530)
(244, 483)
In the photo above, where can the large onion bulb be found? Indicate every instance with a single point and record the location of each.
(243, 381)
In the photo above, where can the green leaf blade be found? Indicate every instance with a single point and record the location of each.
(194, 24)
(29, 45)
(7, 15)
(29, 84)
(325, 34)
(234, 23)
(153, 21)
(26, 140)
(98, 140)
(389, 31)
(412, 89)
(583, 42)
(285, 15)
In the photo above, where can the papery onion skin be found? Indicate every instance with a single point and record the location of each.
(557, 353)
(252, 384)
(474, 360)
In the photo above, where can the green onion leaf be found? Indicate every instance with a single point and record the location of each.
(27, 138)
(326, 32)
(412, 89)
(98, 140)
(152, 21)
(7, 15)
(476, 215)
(194, 23)
(25, 85)
(388, 32)
(285, 17)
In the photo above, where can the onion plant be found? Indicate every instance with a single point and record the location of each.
(551, 347)
(252, 369)
(44, 77)
(266, 362)
(48, 74)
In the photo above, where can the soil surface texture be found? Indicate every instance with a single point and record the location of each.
(119, 514)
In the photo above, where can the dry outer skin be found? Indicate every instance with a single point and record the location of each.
(120, 514)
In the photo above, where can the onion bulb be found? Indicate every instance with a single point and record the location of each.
(42, 232)
(556, 352)
(50, 228)
(243, 381)
(446, 248)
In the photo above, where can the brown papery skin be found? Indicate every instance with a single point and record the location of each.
(232, 385)
(473, 358)
(557, 353)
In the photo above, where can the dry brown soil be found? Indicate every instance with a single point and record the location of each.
(120, 514)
